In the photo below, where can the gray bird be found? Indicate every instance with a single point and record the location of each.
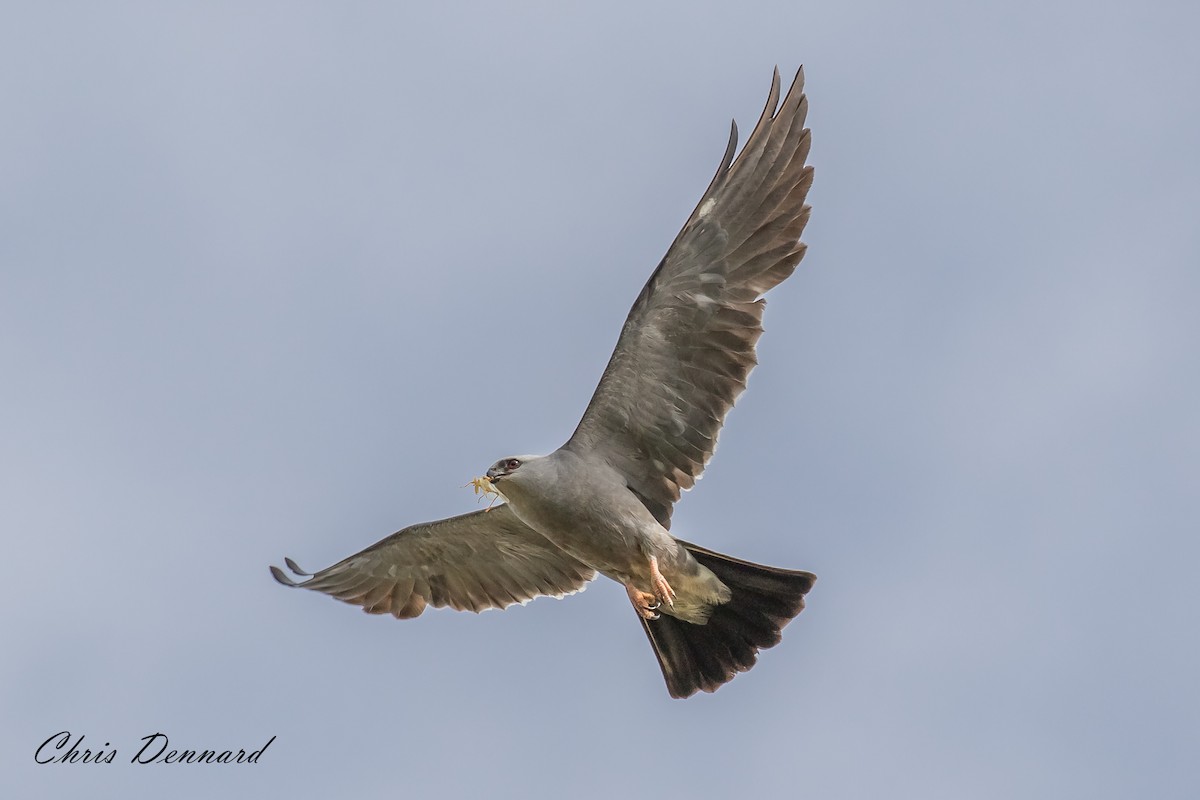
(602, 502)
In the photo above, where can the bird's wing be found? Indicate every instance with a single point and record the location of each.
(687, 347)
(486, 559)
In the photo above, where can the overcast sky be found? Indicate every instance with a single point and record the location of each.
(279, 278)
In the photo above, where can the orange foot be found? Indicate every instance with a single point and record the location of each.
(662, 589)
(644, 603)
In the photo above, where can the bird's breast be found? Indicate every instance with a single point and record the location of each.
(604, 534)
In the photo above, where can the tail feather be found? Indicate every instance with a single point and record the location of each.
(705, 657)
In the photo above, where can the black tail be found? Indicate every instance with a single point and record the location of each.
(705, 657)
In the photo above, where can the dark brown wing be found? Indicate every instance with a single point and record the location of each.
(486, 559)
(687, 347)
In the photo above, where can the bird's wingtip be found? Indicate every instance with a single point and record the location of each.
(282, 577)
(294, 567)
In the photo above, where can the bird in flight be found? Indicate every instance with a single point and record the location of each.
(602, 502)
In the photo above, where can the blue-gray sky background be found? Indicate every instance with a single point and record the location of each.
(278, 279)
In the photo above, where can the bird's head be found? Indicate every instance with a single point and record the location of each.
(508, 469)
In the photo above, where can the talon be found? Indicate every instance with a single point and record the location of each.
(644, 603)
(662, 589)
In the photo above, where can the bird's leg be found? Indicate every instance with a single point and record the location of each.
(662, 589)
(644, 603)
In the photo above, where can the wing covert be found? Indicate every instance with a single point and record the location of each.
(472, 562)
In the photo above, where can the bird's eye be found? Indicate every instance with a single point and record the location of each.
(512, 463)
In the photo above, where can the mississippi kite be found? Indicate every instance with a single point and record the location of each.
(602, 502)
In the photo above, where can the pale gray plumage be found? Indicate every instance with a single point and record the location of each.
(603, 501)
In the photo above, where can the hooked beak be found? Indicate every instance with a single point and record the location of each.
(494, 474)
